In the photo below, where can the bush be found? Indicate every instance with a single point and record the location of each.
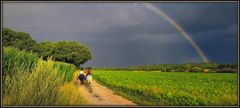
(227, 70)
(65, 51)
(20, 40)
(196, 69)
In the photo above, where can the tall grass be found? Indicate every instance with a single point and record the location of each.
(13, 59)
(36, 88)
(29, 80)
(71, 94)
(65, 69)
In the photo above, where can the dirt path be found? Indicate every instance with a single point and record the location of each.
(100, 95)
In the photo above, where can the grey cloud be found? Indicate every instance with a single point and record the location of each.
(143, 50)
(195, 17)
(70, 18)
(124, 34)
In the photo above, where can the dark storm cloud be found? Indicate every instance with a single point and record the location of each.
(196, 17)
(124, 34)
(219, 45)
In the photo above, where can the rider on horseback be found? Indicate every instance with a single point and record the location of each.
(89, 72)
(81, 76)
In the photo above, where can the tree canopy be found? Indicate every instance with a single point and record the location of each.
(20, 40)
(65, 51)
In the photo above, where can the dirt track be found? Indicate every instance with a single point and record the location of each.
(100, 95)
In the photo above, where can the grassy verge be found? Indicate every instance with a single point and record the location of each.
(30, 81)
(70, 94)
(36, 88)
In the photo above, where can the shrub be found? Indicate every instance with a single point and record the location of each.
(196, 69)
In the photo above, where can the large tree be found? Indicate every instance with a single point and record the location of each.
(20, 40)
(66, 51)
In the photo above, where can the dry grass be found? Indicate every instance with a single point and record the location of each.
(70, 94)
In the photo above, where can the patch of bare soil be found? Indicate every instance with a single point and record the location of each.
(97, 94)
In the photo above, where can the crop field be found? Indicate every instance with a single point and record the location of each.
(172, 88)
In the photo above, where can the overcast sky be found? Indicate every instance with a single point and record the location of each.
(125, 34)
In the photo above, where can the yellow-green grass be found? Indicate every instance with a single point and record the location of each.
(36, 88)
(71, 94)
(65, 69)
(29, 80)
(16, 61)
(175, 88)
(13, 59)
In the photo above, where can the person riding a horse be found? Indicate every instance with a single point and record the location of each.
(89, 72)
(89, 75)
(81, 76)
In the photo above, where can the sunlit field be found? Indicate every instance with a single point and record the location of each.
(172, 88)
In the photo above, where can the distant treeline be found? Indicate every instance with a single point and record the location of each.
(191, 67)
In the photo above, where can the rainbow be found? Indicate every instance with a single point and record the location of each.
(178, 27)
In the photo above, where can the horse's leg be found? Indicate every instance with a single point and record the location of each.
(81, 81)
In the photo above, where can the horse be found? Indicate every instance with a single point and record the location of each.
(81, 77)
(89, 79)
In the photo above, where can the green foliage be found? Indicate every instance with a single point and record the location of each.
(20, 40)
(89, 68)
(65, 69)
(81, 68)
(175, 88)
(190, 67)
(176, 67)
(29, 80)
(14, 59)
(196, 69)
(65, 51)
(38, 87)
(45, 49)
(226, 68)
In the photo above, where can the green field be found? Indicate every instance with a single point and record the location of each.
(172, 88)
